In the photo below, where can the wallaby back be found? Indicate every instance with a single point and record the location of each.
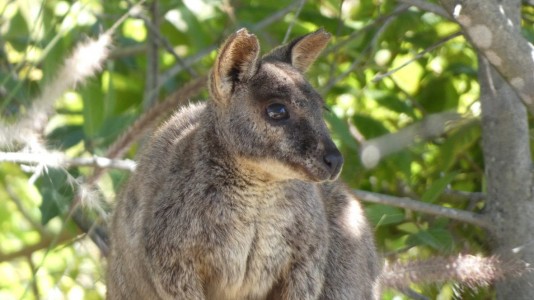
(238, 199)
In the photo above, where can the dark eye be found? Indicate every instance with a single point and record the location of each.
(277, 112)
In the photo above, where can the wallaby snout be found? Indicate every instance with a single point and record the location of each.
(334, 161)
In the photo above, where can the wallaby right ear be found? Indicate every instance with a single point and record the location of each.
(301, 52)
(237, 61)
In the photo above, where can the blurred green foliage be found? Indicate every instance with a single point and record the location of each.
(39, 256)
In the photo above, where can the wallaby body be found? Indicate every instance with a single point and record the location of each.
(237, 198)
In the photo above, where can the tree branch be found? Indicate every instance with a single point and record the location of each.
(471, 270)
(407, 203)
(45, 243)
(434, 125)
(499, 39)
(60, 160)
(427, 6)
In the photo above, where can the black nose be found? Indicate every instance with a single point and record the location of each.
(334, 161)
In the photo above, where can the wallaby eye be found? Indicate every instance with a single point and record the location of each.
(277, 112)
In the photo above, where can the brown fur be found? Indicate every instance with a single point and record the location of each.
(227, 203)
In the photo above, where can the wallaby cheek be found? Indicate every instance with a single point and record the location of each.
(247, 133)
(304, 139)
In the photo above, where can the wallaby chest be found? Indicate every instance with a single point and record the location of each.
(263, 232)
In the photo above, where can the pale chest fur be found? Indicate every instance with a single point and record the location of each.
(275, 225)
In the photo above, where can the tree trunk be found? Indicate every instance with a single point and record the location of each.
(508, 164)
(493, 28)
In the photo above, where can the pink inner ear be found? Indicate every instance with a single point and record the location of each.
(243, 58)
(306, 51)
(236, 61)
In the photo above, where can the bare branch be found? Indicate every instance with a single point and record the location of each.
(133, 50)
(427, 6)
(498, 37)
(372, 151)
(45, 243)
(470, 270)
(407, 203)
(60, 160)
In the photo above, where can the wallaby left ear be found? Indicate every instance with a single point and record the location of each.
(237, 61)
(301, 52)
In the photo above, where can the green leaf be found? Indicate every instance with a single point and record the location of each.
(368, 126)
(18, 33)
(341, 130)
(438, 94)
(93, 108)
(382, 215)
(462, 140)
(113, 127)
(437, 238)
(56, 193)
(66, 136)
(437, 187)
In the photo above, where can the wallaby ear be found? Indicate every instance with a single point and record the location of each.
(237, 61)
(303, 51)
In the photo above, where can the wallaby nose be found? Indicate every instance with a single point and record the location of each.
(334, 161)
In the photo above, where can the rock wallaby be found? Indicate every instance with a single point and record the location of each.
(237, 198)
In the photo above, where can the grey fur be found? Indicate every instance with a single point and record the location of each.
(229, 204)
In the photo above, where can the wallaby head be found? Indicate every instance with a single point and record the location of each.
(267, 112)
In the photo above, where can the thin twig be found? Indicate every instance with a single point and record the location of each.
(47, 242)
(293, 21)
(133, 10)
(386, 21)
(34, 286)
(418, 56)
(407, 203)
(167, 45)
(357, 33)
(121, 52)
(152, 89)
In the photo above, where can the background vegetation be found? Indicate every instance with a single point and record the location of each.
(414, 133)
